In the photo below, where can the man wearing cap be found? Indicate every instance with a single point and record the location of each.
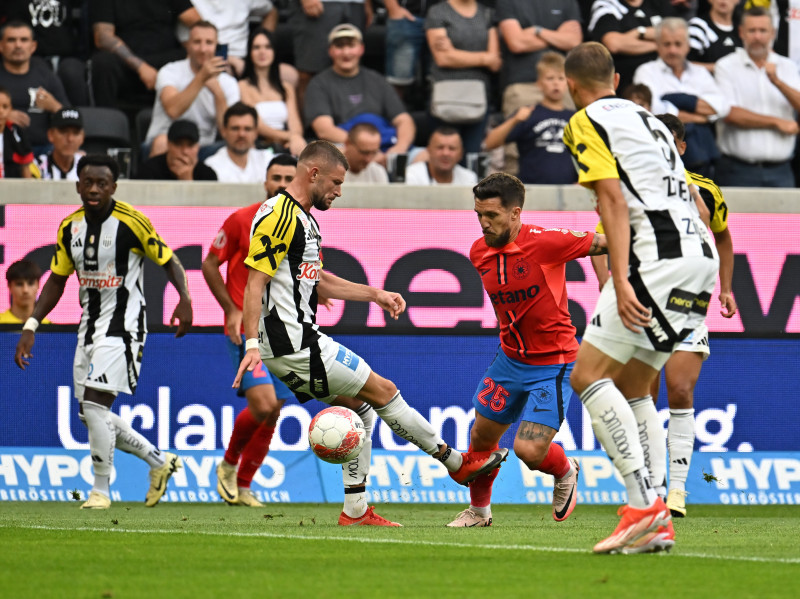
(347, 93)
(66, 135)
(179, 162)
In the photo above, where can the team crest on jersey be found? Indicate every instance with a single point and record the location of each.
(541, 395)
(108, 241)
(220, 240)
(578, 233)
(90, 252)
(520, 269)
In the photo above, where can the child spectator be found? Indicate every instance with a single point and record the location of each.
(537, 131)
(17, 155)
(23, 287)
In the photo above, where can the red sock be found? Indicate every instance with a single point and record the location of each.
(244, 427)
(480, 490)
(555, 462)
(253, 455)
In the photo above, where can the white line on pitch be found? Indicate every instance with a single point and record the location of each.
(270, 535)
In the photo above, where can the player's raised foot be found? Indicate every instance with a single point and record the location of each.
(634, 524)
(159, 477)
(661, 539)
(96, 501)
(476, 463)
(469, 519)
(247, 498)
(370, 518)
(676, 502)
(226, 482)
(565, 493)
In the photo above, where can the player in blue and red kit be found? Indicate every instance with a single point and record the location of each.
(522, 268)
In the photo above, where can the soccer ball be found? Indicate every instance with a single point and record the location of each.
(336, 435)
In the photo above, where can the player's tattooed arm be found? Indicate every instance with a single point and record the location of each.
(599, 245)
(532, 431)
(183, 311)
(105, 38)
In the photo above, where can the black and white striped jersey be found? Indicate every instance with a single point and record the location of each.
(285, 243)
(617, 139)
(709, 42)
(108, 259)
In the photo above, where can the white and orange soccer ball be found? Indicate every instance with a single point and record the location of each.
(336, 435)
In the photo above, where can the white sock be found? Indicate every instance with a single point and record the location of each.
(130, 441)
(483, 512)
(680, 439)
(102, 438)
(653, 440)
(614, 426)
(409, 424)
(355, 501)
(355, 471)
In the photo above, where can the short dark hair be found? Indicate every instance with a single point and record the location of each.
(23, 270)
(16, 24)
(445, 130)
(674, 124)
(3, 90)
(590, 64)
(755, 11)
(239, 109)
(507, 187)
(323, 151)
(638, 89)
(99, 160)
(203, 25)
(282, 160)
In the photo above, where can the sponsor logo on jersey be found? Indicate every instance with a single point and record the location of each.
(513, 297)
(220, 240)
(98, 280)
(578, 233)
(348, 358)
(292, 380)
(310, 271)
(680, 301)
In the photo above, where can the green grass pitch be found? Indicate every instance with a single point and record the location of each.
(297, 550)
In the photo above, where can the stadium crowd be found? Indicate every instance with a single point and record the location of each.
(261, 77)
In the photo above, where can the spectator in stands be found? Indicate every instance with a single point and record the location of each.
(464, 44)
(239, 161)
(17, 156)
(310, 22)
(275, 100)
(445, 150)
(36, 92)
(195, 88)
(406, 49)
(23, 278)
(66, 135)
(527, 31)
(232, 20)
(280, 172)
(54, 31)
(362, 146)
(714, 35)
(686, 90)
(180, 161)
(538, 130)
(640, 94)
(627, 29)
(346, 93)
(757, 138)
(134, 39)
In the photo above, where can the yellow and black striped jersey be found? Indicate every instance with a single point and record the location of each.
(617, 139)
(712, 197)
(285, 243)
(108, 259)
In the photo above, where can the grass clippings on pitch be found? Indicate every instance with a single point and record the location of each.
(297, 550)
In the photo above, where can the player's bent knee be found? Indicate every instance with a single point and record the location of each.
(530, 453)
(377, 391)
(681, 396)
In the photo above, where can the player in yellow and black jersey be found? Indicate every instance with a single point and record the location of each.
(683, 368)
(105, 243)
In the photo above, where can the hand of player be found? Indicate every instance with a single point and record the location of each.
(148, 75)
(633, 314)
(233, 325)
(249, 362)
(183, 314)
(24, 346)
(325, 301)
(728, 305)
(392, 302)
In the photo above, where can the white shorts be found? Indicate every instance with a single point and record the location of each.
(697, 342)
(110, 365)
(678, 292)
(323, 371)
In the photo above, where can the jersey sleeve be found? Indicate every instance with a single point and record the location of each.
(62, 263)
(227, 239)
(273, 230)
(153, 246)
(585, 140)
(558, 246)
(714, 201)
